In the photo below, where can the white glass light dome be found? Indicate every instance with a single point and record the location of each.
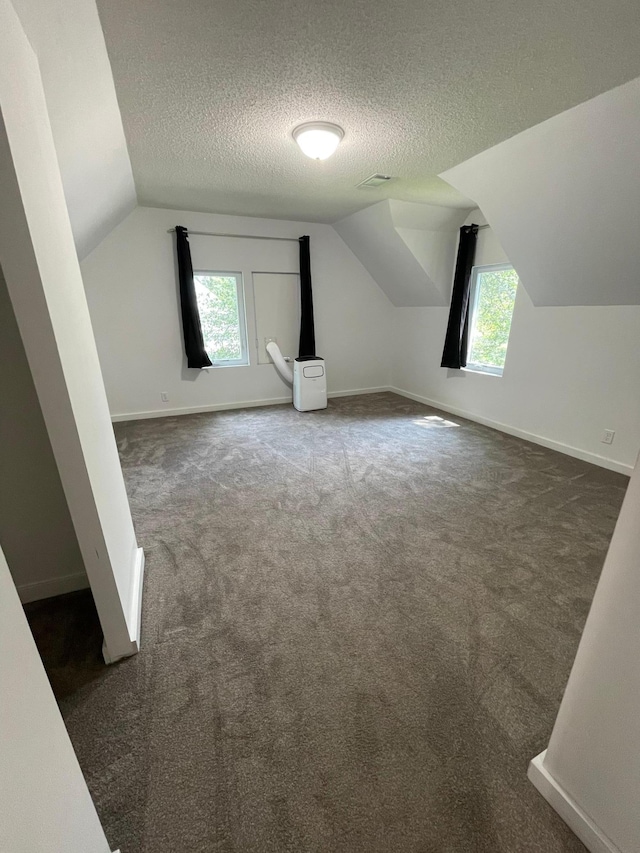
(318, 139)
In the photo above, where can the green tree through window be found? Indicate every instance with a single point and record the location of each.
(217, 297)
(492, 304)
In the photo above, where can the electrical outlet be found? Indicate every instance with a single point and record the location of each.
(270, 341)
(607, 436)
(164, 396)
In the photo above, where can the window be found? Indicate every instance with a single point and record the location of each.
(221, 306)
(491, 301)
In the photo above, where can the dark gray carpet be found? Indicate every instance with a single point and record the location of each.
(358, 625)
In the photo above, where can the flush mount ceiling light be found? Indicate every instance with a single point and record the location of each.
(318, 139)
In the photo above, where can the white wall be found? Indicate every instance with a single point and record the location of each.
(45, 805)
(131, 286)
(41, 269)
(563, 199)
(593, 759)
(277, 313)
(407, 248)
(36, 531)
(570, 372)
(68, 41)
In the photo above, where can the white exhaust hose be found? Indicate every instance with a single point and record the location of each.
(278, 359)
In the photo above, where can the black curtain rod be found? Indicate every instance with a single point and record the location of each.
(258, 236)
(237, 236)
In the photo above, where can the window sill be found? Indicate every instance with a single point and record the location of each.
(481, 372)
(219, 366)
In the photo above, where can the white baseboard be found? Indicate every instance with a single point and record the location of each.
(135, 613)
(194, 410)
(356, 392)
(576, 452)
(222, 407)
(134, 617)
(52, 587)
(570, 812)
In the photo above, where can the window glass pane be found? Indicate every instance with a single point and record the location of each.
(491, 321)
(217, 297)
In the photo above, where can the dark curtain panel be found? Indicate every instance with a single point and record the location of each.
(455, 343)
(307, 328)
(193, 340)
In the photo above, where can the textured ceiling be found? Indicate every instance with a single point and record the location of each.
(210, 91)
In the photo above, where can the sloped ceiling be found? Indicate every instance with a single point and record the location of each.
(564, 201)
(210, 92)
(407, 248)
(85, 118)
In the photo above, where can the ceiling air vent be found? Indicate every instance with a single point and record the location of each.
(373, 181)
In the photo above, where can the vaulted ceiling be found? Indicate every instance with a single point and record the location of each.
(407, 248)
(210, 92)
(67, 39)
(563, 198)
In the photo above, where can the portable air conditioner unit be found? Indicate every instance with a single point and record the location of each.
(309, 384)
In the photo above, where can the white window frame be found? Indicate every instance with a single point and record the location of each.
(243, 361)
(475, 367)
